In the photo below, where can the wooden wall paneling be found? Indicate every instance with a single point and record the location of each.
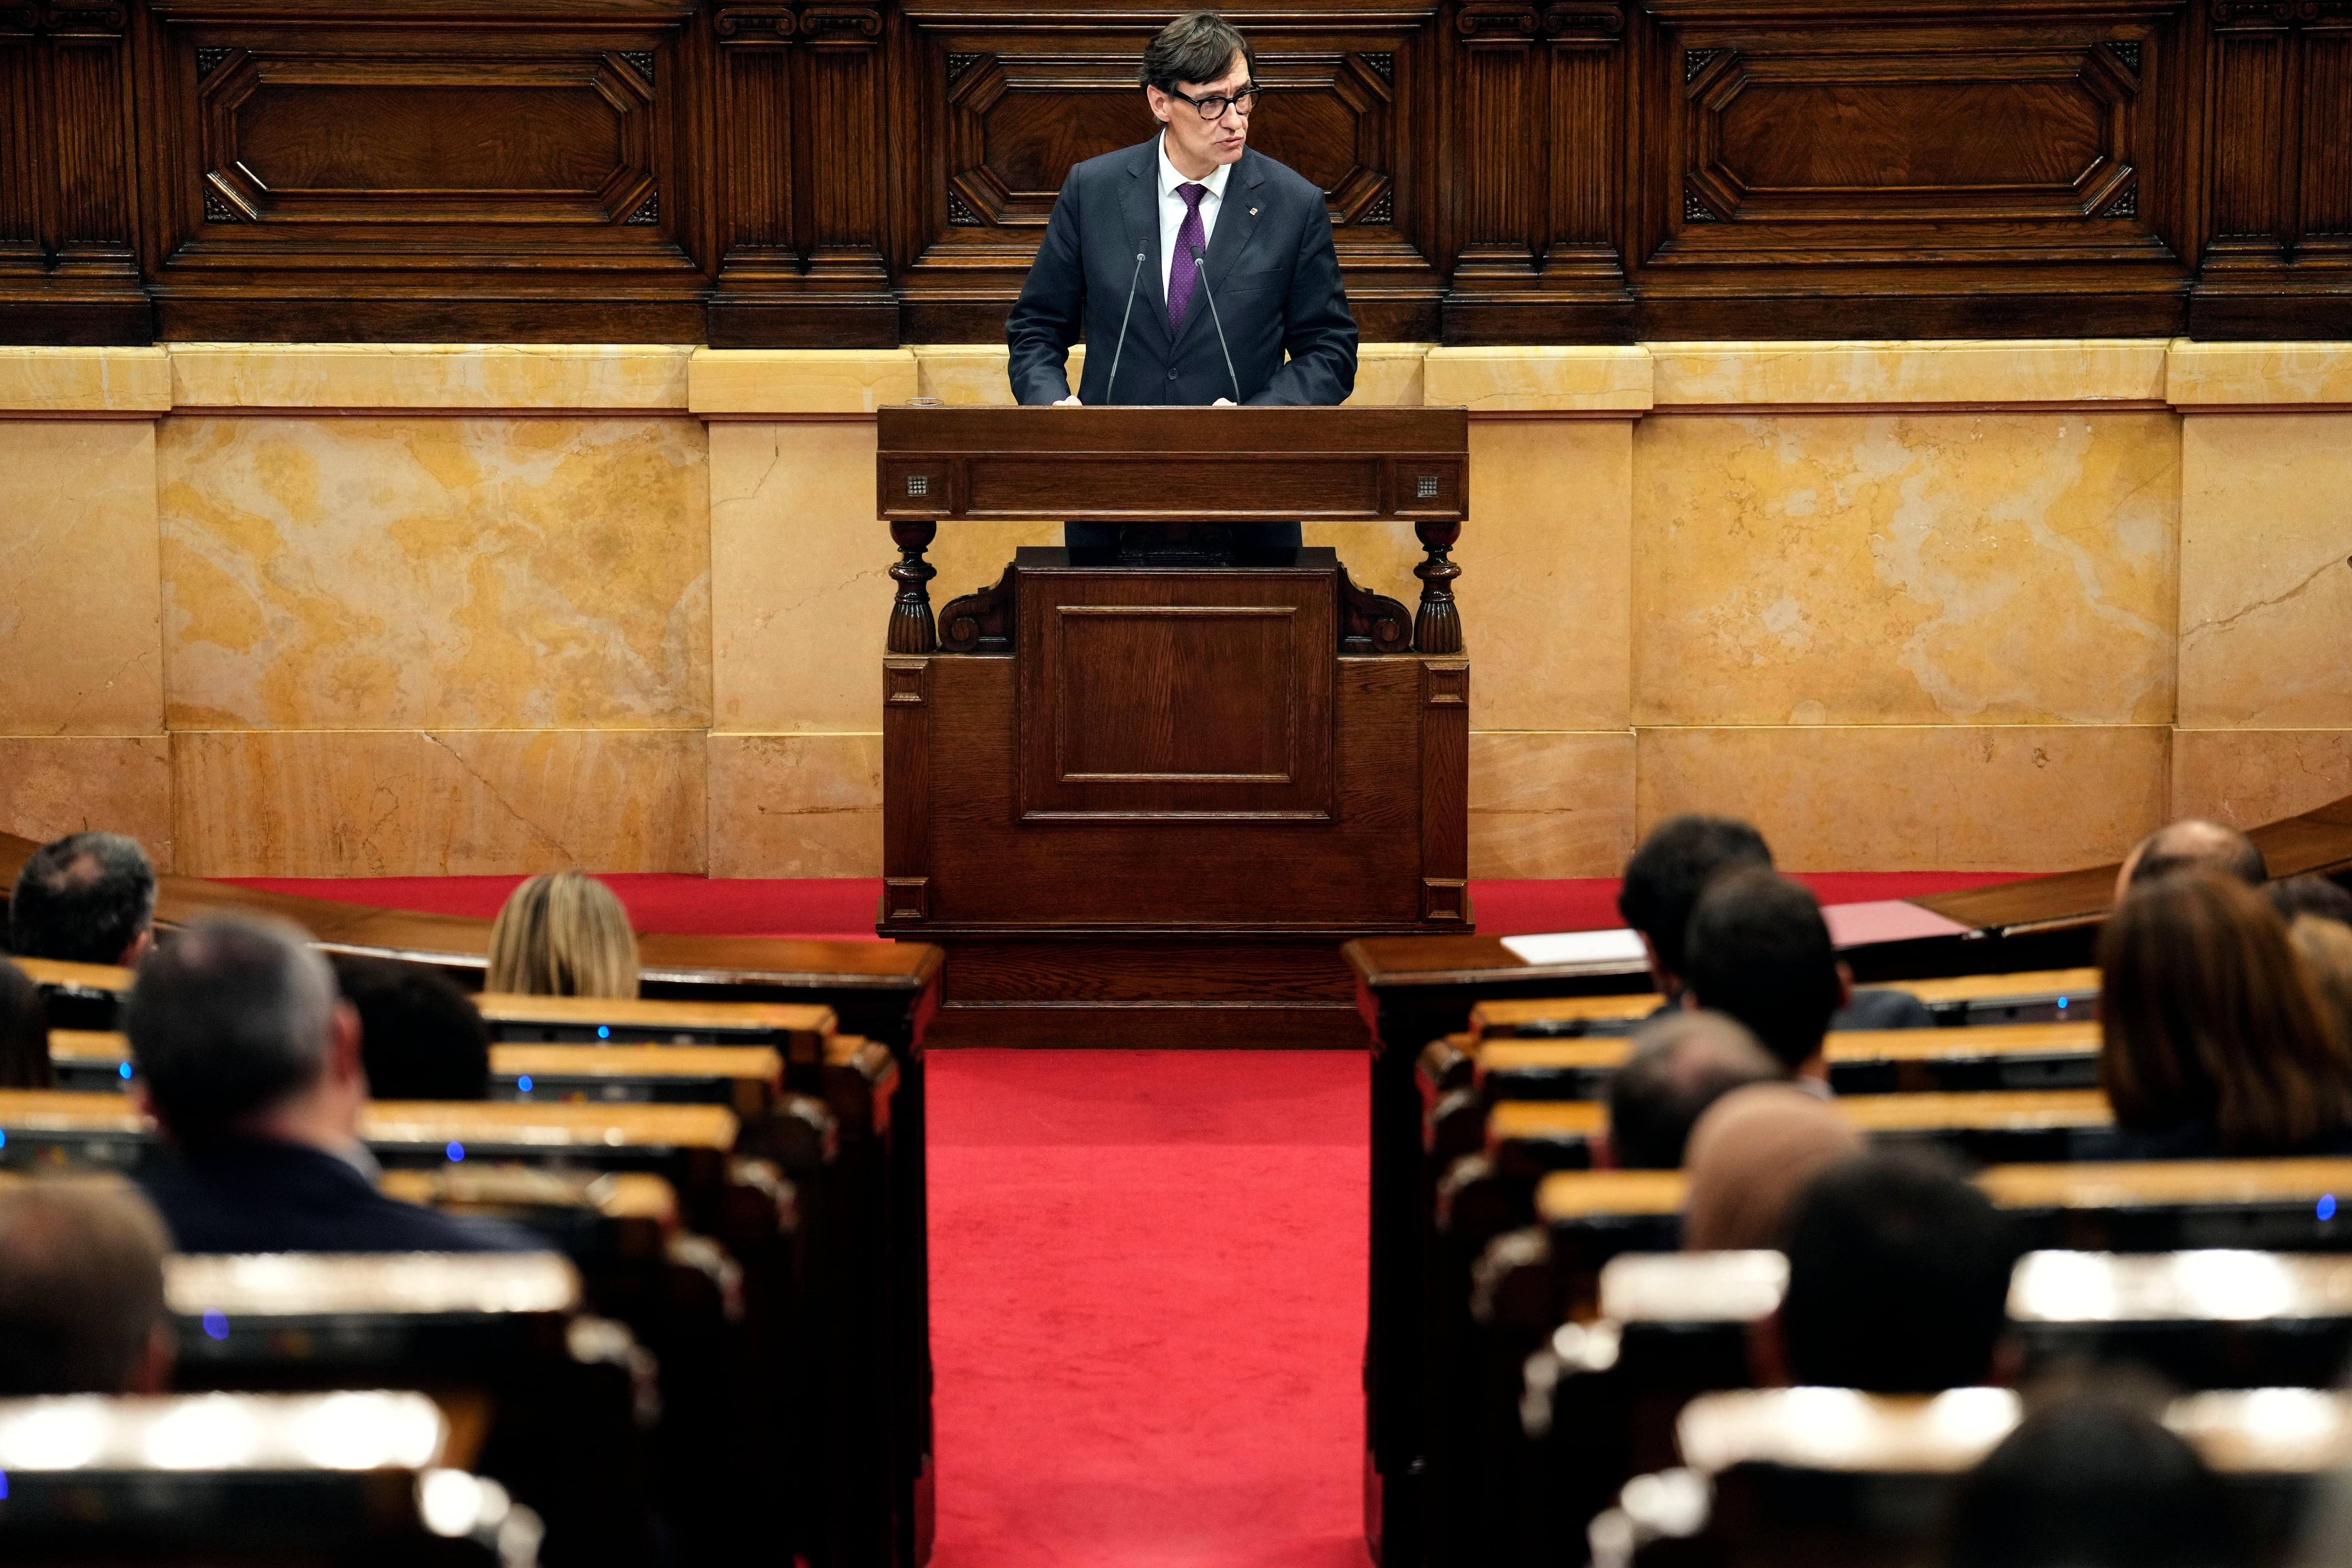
(2278, 260)
(68, 266)
(1791, 166)
(441, 169)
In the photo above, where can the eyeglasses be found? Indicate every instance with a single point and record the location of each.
(1214, 107)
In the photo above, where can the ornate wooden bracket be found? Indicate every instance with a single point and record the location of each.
(1371, 623)
(911, 628)
(1437, 628)
(979, 622)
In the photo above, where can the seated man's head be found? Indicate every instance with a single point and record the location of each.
(1751, 1155)
(1680, 1064)
(81, 1289)
(86, 899)
(1758, 950)
(420, 1036)
(1667, 874)
(1898, 1279)
(1197, 64)
(235, 1030)
(2191, 843)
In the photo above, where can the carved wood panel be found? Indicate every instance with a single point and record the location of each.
(67, 260)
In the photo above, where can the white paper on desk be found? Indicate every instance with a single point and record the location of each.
(1618, 947)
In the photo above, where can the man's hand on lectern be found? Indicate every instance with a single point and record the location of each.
(1069, 401)
(1225, 403)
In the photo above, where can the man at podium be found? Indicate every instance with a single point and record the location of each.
(1191, 263)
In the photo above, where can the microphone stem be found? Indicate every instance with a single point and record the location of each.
(1201, 264)
(1111, 386)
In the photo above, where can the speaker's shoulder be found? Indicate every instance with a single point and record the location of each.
(1266, 176)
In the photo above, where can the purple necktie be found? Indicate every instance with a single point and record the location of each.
(1182, 271)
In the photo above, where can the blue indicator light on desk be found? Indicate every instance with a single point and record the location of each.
(604, 1032)
(2061, 1004)
(124, 1070)
(216, 1324)
(4, 1485)
(456, 1151)
(523, 1082)
(2327, 1206)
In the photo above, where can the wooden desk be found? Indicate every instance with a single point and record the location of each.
(797, 1030)
(2046, 996)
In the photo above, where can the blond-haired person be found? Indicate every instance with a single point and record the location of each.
(563, 936)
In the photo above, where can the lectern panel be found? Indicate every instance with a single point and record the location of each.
(1033, 484)
(1202, 694)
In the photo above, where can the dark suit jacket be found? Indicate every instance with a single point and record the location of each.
(1270, 261)
(248, 1195)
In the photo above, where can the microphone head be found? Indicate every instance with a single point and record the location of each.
(1199, 256)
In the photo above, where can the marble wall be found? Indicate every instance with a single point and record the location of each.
(361, 610)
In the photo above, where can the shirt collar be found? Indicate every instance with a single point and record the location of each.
(1169, 179)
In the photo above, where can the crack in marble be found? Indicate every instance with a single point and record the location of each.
(492, 791)
(2226, 622)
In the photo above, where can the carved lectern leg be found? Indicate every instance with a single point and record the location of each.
(911, 628)
(1437, 628)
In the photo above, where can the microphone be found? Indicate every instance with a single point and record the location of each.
(1133, 278)
(1201, 264)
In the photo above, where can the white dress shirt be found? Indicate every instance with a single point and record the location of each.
(1172, 206)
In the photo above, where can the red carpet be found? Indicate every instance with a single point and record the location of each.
(1147, 1308)
(844, 906)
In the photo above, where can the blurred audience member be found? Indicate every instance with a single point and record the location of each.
(1680, 1064)
(1664, 878)
(563, 936)
(81, 1289)
(1898, 1279)
(420, 1036)
(251, 1066)
(2091, 1482)
(1759, 950)
(2326, 948)
(86, 899)
(2318, 895)
(24, 1032)
(1750, 1157)
(2212, 1039)
(2191, 843)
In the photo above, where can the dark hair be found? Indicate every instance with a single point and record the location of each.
(1898, 1276)
(1680, 1064)
(2318, 895)
(2091, 1482)
(1198, 46)
(81, 1285)
(227, 1019)
(2195, 844)
(1759, 950)
(2207, 1014)
(83, 899)
(420, 1036)
(1674, 864)
(24, 1032)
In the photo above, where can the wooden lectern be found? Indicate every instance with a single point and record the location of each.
(1141, 795)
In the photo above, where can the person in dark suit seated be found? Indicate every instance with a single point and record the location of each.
(1899, 1281)
(250, 1064)
(81, 1289)
(2213, 1037)
(420, 1036)
(1198, 269)
(1662, 884)
(1680, 1064)
(1758, 950)
(88, 898)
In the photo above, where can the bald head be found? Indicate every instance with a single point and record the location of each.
(1680, 1064)
(81, 1289)
(2192, 843)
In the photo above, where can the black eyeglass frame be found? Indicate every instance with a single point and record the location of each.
(1252, 92)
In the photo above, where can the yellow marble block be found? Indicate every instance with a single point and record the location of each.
(475, 572)
(801, 591)
(2266, 570)
(796, 805)
(1551, 804)
(739, 381)
(1391, 375)
(84, 381)
(2249, 777)
(437, 804)
(1914, 568)
(2258, 374)
(1580, 379)
(2022, 371)
(475, 377)
(54, 785)
(1917, 797)
(82, 648)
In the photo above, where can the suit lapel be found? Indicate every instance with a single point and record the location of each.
(1140, 208)
(1237, 215)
